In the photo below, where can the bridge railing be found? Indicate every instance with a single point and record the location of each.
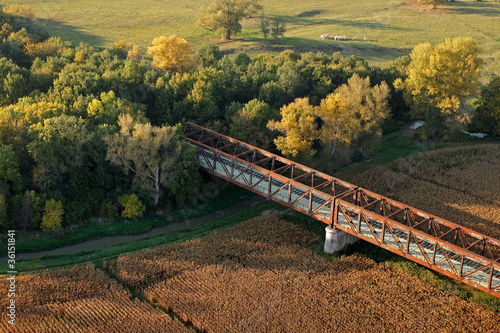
(443, 246)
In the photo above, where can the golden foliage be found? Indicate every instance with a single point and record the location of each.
(172, 54)
(298, 126)
(80, 299)
(19, 10)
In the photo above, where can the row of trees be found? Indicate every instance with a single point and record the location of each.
(88, 132)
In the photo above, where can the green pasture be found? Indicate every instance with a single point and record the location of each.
(391, 27)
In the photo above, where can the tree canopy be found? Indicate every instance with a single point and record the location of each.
(172, 54)
(442, 76)
(298, 126)
(224, 16)
(150, 153)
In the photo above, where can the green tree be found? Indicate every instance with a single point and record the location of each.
(26, 210)
(108, 107)
(149, 152)
(132, 206)
(488, 107)
(172, 54)
(208, 55)
(298, 124)
(264, 25)
(224, 16)
(10, 177)
(5, 223)
(52, 215)
(59, 143)
(249, 123)
(278, 27)
(443, 76)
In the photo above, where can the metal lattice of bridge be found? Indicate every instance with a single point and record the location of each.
(448, 248)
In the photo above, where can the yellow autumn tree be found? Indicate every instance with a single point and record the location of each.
(298, 125)
(353, 112)
(172, 54)
(443, 76)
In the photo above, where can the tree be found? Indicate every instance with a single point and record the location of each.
(132, 206)
(26, 211)
(434, 3)
(264, 25)
(209, 55)
(59, 143)
(277, 27)
(172, 54)
(339, 122)
(443, 76)
(298, 124)
(150, 153)
(4, 216)
(52, 215)
(19, 10)
(10, 177)
(488, 107)
(224, 16)
(368, 105)
(249, 123)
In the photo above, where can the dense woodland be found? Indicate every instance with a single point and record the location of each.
(88, 132)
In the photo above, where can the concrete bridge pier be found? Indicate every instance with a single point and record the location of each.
(335, 239)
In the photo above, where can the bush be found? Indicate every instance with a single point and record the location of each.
(108, 210)
(52, 215)
(133, 207)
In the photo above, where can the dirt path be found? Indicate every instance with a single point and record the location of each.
(96, 244)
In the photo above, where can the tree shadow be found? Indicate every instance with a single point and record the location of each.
(308, 21)
(474, 8)
(310, 13)
(71, 33)
(358, 47)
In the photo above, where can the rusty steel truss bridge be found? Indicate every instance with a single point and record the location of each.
(448, 248)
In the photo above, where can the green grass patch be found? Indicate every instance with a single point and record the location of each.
(41, 241)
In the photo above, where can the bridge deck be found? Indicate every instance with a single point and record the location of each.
(438, 244)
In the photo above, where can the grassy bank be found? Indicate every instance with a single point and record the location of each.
(41, 241)
(114, 251)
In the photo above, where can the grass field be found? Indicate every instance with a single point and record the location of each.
(391, 27)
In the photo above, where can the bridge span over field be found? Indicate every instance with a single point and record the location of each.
(448, 248)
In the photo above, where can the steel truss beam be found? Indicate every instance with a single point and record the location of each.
(470, 257)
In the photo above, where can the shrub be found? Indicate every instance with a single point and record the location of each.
(52, 215)
(133, 207)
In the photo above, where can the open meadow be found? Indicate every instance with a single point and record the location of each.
(391, 27)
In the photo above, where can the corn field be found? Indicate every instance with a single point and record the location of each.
(80, 299)
(461, 185)
(260, 276)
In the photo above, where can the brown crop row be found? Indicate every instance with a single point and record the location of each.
(259, 276)
(461, 185)
(474, 170)
(80, 299)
